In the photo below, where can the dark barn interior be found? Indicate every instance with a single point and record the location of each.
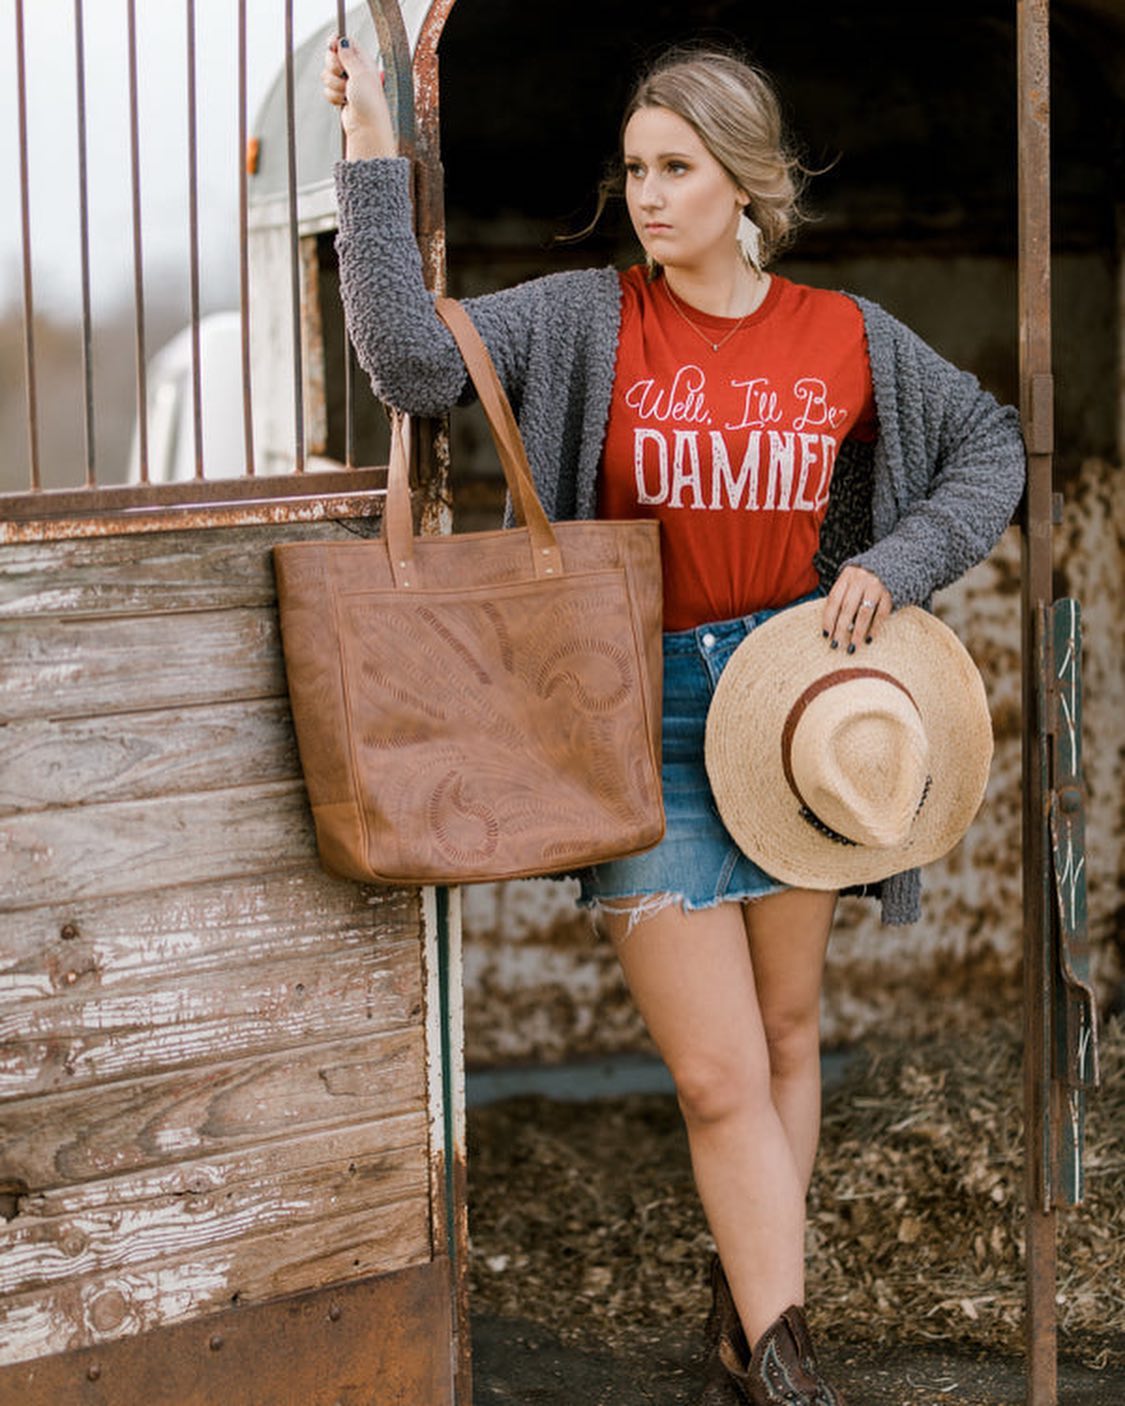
(911, 109)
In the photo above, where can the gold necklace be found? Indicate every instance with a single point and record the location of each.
(699, 330)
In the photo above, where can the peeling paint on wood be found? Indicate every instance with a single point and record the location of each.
(219, 1208)
(127, 847)
(109, 1305)
(82, 668)
(65, 1042)
(172, 934)
(138, 1124)
(151, 573)
(140, 756)
(212, 1055)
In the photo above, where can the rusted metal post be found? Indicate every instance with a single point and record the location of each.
(1041, 1092)
(349, 356)
(429, 205)
(35, 482)
(294, 244)
(193, 242)
(244, 244)
(412, 91)
(84, 245)
(138, 245)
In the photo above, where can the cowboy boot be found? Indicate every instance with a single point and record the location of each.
(778, 1370)
(829, 1396)
(722, 1324)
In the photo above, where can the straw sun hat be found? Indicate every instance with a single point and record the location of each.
(829, 770)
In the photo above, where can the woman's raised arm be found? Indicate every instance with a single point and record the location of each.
(353, 82)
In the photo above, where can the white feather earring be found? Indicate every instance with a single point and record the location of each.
(749, 238)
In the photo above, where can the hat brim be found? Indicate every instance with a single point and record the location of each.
(770, 670)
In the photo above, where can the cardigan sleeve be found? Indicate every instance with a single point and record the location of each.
(949, 471)
(406, 350)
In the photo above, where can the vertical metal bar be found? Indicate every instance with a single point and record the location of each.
(244, 241)
(1041, 1092)
(138, 246)
(193, 236)
(35, 482)
(349, 357)
(432, 438)
(84, 229)
(294, 243)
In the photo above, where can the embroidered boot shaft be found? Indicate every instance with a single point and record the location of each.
(782, 1367)
(722, 1326)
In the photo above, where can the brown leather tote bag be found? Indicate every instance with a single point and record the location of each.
(480, 706)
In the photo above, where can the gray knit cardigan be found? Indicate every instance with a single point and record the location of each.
(918, 507)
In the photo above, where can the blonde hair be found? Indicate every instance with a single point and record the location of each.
(733, 108)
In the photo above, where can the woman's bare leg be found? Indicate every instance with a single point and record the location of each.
(788, 934)
(691, 976)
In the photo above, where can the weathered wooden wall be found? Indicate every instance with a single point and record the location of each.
(215, 1081)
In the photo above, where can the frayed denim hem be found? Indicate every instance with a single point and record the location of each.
(640, 906)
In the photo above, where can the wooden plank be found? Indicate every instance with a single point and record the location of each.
(134, 756)
(66, 1042)
(150, 573)
(124, 1224)
(165, 935)
(210, 1109)
(83, 668)
(58, 856)
(101, 1307)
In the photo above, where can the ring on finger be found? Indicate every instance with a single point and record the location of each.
(868, 604)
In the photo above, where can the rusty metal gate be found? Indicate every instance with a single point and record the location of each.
(232, 1162)
(231, 1099)
(1060, 1010)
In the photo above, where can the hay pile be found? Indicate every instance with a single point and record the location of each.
(584, 1216)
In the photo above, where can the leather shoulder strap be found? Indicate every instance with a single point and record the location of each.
(497, 409)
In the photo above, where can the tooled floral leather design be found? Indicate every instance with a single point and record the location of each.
(483, 724)
(508, 718)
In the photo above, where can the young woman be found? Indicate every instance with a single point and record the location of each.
(791, 442)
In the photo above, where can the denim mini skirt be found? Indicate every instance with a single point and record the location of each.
(697, 864)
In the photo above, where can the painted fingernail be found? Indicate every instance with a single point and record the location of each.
(851, 648)
(345, 43)
(835, 644)
(869, 639)
(824, 633)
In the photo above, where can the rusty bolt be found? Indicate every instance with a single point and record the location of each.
(216, 1341)
(68, 932)
(93, 1372)
(334, 1313)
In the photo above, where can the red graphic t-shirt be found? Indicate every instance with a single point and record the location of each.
(732, 450)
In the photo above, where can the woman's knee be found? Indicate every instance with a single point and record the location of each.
(714, 1088)
(793, 1038)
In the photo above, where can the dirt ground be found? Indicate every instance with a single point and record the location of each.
(589, 1247)
(519, 1363)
